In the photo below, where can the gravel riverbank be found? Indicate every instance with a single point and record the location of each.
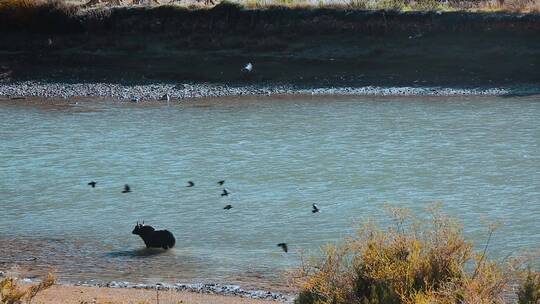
(199, 288)
(204, 288)
(156, 91)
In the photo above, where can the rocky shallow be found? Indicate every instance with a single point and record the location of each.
(146, 92)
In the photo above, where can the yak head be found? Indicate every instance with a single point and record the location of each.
(142, 229)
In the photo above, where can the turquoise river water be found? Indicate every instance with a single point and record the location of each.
(480, 156)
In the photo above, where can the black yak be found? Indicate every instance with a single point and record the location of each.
(154, 239)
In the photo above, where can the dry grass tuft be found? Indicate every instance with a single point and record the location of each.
(529, 291)
(12, 293)
(514, 6)
(409, 263)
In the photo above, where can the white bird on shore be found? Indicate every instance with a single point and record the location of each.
(166, 97)
(248, 68)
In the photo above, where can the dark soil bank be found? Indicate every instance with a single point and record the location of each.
(305, 47)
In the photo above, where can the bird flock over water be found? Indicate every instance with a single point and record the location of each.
(225, 192)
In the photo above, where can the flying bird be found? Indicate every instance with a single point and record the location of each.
(228, 207)
(225, 192)
(248, 68)
(190, 184)
(92, 183)
(126, 189)
(221, 182)
(283, 246)
(315, 208)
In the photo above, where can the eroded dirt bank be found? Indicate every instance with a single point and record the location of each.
(303, 47)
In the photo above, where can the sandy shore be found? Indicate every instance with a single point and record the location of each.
(78, 294)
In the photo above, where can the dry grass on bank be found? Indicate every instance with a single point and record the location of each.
(410, 263)
(71, 7)
(512, 6)
(529, 291)
(12, 292)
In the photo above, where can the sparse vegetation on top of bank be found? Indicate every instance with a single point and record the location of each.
(276, 15)
(411, 263)
(511, 6)
(519, 6)
(73, 14)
